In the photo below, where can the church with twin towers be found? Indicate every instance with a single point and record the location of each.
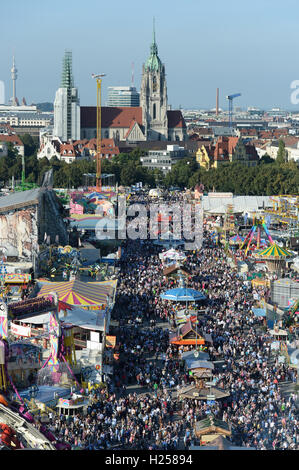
(153, 120)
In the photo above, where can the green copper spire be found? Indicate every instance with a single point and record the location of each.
(67, 80)
(153, 62)
(154, 47)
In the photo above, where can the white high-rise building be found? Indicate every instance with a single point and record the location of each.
(67, 104)
(120, 96)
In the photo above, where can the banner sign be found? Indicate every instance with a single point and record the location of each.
(19, 330)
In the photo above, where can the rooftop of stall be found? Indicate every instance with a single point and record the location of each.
(45, 394)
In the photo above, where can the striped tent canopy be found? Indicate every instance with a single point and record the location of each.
(80, 293)
(274, 251)
(95, 195)
(236, 239)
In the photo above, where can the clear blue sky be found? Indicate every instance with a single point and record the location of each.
(248, 47)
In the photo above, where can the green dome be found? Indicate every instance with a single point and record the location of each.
(153, 62)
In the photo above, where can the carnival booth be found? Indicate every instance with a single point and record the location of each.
(186, 335)
(76, 404)
(278, 333)
(172, 255)
(24, 360)
(193, 355)
(201, 369)
(210, 428)
(175, 271)
(15, 283)
(155, 193)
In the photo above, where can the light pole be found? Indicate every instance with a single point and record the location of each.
(196, 351)
(99, 130)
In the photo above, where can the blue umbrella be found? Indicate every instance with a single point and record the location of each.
(259, 312)
(180, 294)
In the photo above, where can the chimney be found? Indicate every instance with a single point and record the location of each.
(217, 101)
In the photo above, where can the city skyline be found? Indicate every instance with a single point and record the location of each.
(251, 52)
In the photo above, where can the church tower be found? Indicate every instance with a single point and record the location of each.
(153, 96)
(67, 104)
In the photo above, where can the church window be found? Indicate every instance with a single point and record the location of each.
(154, 111)
(154, 83)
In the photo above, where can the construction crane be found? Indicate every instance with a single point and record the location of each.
(99, 131)
(230, 106)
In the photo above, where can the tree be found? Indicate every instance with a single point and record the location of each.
(181, 172)
(266, 159)
(282, 153)
(30, 144)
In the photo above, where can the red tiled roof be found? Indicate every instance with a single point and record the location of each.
(80, 142)
(69, 148)
(281, 131)
(290, 140)
(123, 117)
(224, 147)
(175, 119)
(265, 134)
(250, 132)
(204, 131)
(14, 139)
(110, 116)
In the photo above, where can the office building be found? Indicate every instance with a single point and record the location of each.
(163, 159)
(122, 96)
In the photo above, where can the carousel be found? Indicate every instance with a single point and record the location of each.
(275, 257)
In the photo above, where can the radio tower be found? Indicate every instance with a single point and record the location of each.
(132, 77)
(14, 77)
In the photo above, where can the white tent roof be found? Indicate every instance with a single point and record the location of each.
(155, 192)
(86, 319)
(240, 203)
(172, 254)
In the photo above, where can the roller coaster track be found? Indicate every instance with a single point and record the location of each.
(25, 431)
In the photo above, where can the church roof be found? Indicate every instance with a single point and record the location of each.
(110, 116)
(175, 119)
(124, 117)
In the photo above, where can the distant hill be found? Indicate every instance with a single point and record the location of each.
(45, 107)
